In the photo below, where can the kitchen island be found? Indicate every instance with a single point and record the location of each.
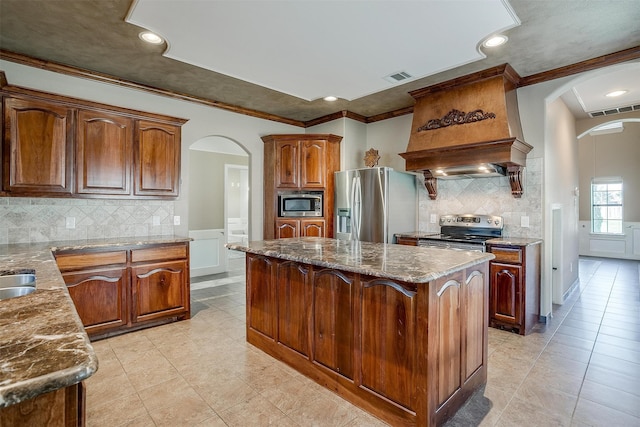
(399, 331)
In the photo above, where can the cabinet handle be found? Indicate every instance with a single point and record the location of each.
(554, 268)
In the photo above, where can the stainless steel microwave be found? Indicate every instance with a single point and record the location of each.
(300, 204)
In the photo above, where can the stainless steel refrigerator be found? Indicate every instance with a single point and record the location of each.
(373, 204)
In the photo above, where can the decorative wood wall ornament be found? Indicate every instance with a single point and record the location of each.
(456, 117)
(432, 184)
(371, 158)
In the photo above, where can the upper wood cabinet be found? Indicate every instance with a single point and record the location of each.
(301, 164)
(37, 147)
(295, 162)
(67, 147)
(103, 162)
(157, 159)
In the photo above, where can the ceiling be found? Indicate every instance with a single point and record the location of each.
(278, 58)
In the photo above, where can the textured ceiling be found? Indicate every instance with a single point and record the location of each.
(93, 35)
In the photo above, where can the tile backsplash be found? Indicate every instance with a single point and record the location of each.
(489, 196)
(31, 220)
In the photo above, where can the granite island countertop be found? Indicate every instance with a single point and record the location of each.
(43, 345)
(396, 262)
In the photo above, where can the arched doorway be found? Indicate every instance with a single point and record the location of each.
(218, 201)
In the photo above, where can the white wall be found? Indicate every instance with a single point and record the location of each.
(390, 137)
(562, 176)
(354, 138)
(203, 121)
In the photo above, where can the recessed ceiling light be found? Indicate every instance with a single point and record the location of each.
(494, 41)
(150, 37)
(330, 98)
(616, 93)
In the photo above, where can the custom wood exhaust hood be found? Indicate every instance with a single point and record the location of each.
(469, 126)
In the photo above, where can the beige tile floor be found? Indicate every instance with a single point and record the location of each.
(581, 369)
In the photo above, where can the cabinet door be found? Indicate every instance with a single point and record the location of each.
(312, 228)
(156, 159)
(505, 298)
(313, 164)
(333, 329)
(160, 289)
(261, 295)
(287, 164)
(388, 339)
(287, 228)
(294, 299)
(37, 147)
(100, 298)
(103, 153)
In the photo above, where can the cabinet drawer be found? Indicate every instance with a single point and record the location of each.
(159, 253)
(510, 255)
(409, 241)
(78, 261)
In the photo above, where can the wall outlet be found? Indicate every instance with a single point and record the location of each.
(176, 220)
(433, 219)
(155, 219)
(70, 222)
(524, 221)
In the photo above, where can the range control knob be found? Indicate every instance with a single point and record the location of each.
(497, 221)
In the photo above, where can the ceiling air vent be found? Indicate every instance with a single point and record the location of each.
(398, 77)
(614, 111)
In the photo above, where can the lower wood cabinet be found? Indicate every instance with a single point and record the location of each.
(299, 228)
(65, 407)
(514, 297)
(159, 290)
(115, 291)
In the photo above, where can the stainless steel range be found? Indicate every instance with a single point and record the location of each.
(465, 232)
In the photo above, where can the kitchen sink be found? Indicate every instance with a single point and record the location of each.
(17, 285)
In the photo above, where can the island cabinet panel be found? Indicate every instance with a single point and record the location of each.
(100, 298)
(156, 159)
(294, 300)
(261, 295)
(459, 307)
(473, 298)
(103, 159)
(449, 324)
(65, 407)
(333, 321)
(37, 147)
(409, 353)
(389, 320)
(158, 290)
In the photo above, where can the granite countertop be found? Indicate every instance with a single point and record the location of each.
(511, 241)
(396, 262)
(43, 345)
(514, 241)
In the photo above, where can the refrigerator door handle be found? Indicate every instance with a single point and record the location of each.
(357, 206)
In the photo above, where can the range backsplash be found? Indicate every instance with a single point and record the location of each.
(489, 196)
(31, 220)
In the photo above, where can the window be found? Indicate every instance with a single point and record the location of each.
(606, 205)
